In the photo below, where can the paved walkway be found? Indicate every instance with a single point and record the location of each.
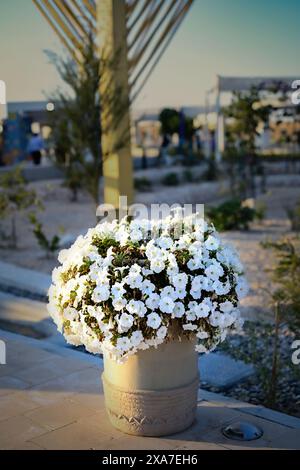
(51, 398)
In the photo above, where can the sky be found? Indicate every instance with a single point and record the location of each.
(229, 37)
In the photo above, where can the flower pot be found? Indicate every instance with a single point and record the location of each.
(154, 393)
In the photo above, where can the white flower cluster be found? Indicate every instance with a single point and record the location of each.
(121, 286)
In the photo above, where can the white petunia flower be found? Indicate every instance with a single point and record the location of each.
(119, 304)
(125, 322)
(123, 344)
(221, 288)
(189, 327)
(226, 306)
(180, 293)
(214, 271)
(190, 315)
(166, 304)
(162, 332)
(147, 287)
(168, 291)
(196, 293)
(203, 309)
(117, 290)
(153, 320)
(165, 242)
(178, 310)
(200, 348)
(71, 314)
(180, 280)
(135, 280)
(101, 294)
(153, 301)
(194, 263)
(136, 338)
(157, 265)
(199, 282)
(136, 235)
(211, 243)
(136, 307)
(242, 288)
(202, 335)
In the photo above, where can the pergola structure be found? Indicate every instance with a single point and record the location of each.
(137, 32)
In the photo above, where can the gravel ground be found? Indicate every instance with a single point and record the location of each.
(255, 346)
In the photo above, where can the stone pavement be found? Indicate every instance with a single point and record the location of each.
(51, 398)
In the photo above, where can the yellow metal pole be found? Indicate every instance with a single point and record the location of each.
(114, 92)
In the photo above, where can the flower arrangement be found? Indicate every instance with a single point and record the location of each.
(122, 286)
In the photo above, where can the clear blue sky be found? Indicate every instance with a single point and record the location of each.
(230, 37)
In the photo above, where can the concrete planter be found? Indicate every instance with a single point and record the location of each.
(154, 393)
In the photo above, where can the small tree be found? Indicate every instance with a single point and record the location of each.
(285, 299)
(76, 131)
(169, 120)
(15, 197)
(50, 246)
(247, 112)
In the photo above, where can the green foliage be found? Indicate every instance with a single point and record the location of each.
(188, 176)
(232, 215)
(170, 123)
(262, 347)
(50, 246)
(76, 121)
(293, 214)
(286, 277)
(15, 197)
(211, 173)
(142, 184)
(170, 179)
(73, 179)
(247, 113)
(169, 119)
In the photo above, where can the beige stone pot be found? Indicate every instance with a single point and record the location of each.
(154, 393)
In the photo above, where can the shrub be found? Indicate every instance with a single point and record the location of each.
(142, 184)
(170, 179)
(286, 277)
(15, 197)
(211, 173)
(48, 245)
(232, 215)
(293, 214)
(189, 176)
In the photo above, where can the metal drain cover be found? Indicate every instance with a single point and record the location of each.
(242, 431)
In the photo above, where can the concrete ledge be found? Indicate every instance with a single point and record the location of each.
(37, 173)
(24, 279)
(221, 371)
(250, 409)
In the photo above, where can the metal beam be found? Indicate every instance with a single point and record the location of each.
(62, 25)
(86, 18)
(164, 46)
(135, 60)
(56, 30)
